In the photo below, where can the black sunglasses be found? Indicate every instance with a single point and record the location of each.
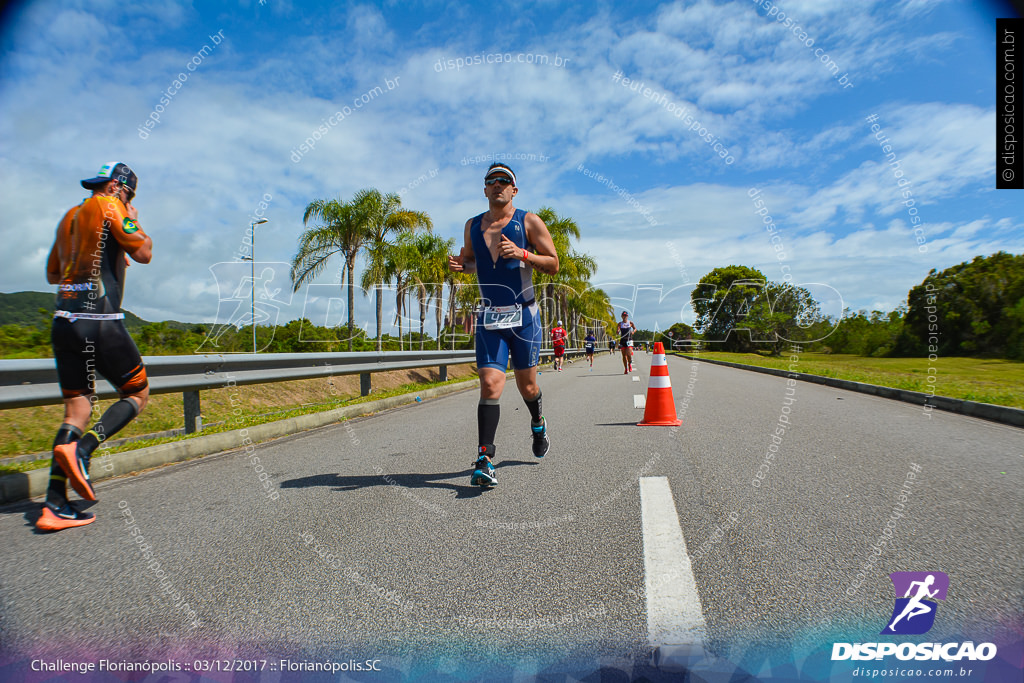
(491, 181)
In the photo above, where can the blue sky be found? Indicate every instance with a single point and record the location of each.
(79, 79)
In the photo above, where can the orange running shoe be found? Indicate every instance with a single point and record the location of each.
(55, 519)
(66, 456)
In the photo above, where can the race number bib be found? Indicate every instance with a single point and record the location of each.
(503, 317)
(629, 343)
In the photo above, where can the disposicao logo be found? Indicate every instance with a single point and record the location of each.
(916, 608)
(913, 614)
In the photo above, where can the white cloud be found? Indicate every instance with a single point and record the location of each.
(227, 136)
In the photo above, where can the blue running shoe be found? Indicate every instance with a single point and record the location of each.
(483, 470)
(540, 439)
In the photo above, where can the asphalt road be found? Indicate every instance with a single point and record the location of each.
(370, 543)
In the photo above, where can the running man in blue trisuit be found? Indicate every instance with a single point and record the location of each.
(588, 347)
(503, 247)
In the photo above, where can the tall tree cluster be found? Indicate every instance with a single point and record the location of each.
(401, 253)
(974, 308)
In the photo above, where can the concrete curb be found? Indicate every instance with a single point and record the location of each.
(16, 487)
(985, 411)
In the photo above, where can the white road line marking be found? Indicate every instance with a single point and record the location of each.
(639, 401)
(635, 378)
(674, 613)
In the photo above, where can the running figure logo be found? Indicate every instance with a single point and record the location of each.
(245, 292)
(914, 613)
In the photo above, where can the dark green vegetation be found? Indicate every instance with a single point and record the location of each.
(971, 309)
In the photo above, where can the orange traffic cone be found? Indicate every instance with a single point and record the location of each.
(661, 408)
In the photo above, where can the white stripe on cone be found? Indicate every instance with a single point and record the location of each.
(658, 359)
(659, 382)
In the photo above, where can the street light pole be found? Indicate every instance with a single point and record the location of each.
(252, 263)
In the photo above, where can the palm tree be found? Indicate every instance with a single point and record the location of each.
(462, 296)
(562, 230)
(575, 278)
(339, 230)
(399, 264)
(595, 309)
(430, 274)
(383, 216)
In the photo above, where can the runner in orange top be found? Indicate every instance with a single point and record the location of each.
(88, 262)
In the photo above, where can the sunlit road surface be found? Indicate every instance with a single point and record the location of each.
(364, 541)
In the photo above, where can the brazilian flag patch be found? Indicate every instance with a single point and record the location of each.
(129, 226)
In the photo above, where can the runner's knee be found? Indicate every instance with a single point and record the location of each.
(491, 385)
(77, 410)
(141, 398)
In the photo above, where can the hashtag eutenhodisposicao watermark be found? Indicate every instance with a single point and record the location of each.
(153, 564)
(902, 183)
(621, 191)
(887, 532)
(681, 113)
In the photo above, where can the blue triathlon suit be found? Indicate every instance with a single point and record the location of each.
(588, 344)
(505, 283)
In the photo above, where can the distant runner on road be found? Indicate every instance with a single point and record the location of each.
(558, 336)
(626, 330)
(503, 246)
(589, 343)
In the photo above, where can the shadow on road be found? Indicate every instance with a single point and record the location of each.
(437, 480)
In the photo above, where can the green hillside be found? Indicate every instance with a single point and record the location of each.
(22, 308)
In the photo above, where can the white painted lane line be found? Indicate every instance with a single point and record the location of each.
(639, 401)
(674, 613)
(635, 378)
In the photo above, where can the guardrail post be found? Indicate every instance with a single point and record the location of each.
(193, 422)
(364, 384)
(443, 372)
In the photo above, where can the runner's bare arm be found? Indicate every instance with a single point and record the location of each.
(131, 237)
(546, 257)
(144, 252)
(53, 265)
(465, 262)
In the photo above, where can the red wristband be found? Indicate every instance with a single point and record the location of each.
(525, 255)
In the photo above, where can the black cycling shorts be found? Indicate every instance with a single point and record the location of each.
(84, 349)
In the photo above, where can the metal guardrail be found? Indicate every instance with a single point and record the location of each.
(33, 381)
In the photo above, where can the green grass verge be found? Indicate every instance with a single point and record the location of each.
(985, 380)
(238, 408)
